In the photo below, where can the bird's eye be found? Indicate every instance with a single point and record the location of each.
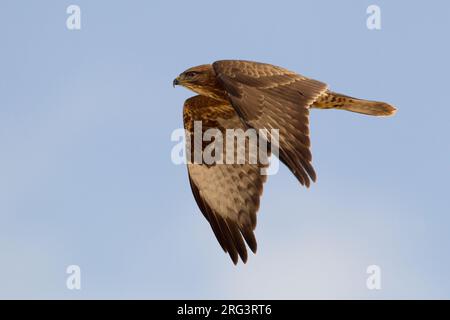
(191, 74)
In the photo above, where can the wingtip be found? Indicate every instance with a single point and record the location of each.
(235, 259)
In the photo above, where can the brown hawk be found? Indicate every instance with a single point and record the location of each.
(236, 94)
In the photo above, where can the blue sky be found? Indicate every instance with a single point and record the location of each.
(86, 176)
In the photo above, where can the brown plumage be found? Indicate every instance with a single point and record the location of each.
(239, 94)
(227, 194)
(332, 100)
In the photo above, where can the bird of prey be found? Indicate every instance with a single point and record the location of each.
(241, 94)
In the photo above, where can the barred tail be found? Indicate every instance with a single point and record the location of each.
(332, 100)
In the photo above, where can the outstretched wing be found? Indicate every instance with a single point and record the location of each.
(228, 194)
(270, 97)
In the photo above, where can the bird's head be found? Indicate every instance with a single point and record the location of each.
(200, 79)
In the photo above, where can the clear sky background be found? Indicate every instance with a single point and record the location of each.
(86, 176)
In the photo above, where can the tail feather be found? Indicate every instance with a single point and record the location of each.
(332, 100)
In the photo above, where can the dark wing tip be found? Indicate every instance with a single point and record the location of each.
(249, 237)
(234, 257)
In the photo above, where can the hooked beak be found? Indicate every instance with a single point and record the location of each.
(175, 82)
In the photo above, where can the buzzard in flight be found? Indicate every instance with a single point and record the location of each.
(235, 94)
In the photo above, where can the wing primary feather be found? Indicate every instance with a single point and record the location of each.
(249, 237)
(237, 239)
(295, 168)
(209, 215)
(232, 251)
